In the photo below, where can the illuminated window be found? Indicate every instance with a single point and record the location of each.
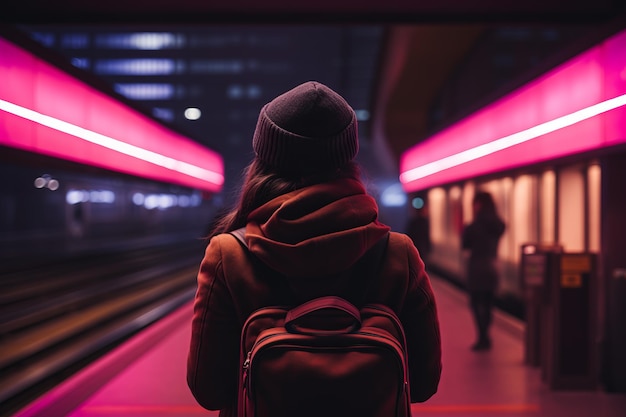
(94, 196)
(547, 207)
(216, 67)
(163, 114)
(438, 224)
(82, 63)
(46, 39)
(571, 208)
(594, 176)
(165, 201)
(236, 92)
(522, 223)
(75, 41)
(142, 41)
(254, 91)
(215, 40)
(146, 91)
(135, 67)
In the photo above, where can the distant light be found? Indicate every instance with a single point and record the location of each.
(46, 181)
(146, 91)
(40, 182)
(192, 113)
(216, 67)
(93, 196)
(160, 201)
(82, 63)
(196, 200)
(235, 91)
(393, 196)
(75, 41)
(184, 201)
(46, 39)
(529, 249)
(417, 203)
(143, 41)
(153, 41)
(254, 91)
(152, 66)
(76, 196)
(165, 201)
(151, 202)
(53, 185)
(163, 113)
(362, 115)
(138, 199)
(102, 196)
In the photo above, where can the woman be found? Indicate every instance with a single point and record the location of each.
(307, 216)
(481, 238)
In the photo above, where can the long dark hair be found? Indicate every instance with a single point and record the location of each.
(262, 184)
(486, 202)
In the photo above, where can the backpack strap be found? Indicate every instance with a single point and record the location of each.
(240, 234)
(370, 265)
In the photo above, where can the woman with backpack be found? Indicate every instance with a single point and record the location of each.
(308, 223)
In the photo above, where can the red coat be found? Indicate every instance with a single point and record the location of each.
(310, 236)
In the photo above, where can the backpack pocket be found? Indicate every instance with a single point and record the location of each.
(324, 358)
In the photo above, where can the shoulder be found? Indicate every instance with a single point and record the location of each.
(223, 248)
(398, 238)
(400, 242)
(402, 253)
(222, 241)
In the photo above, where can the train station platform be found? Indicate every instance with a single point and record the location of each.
(146, 376)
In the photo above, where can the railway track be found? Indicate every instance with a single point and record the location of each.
(56, 318)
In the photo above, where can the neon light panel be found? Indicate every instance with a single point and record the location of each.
(111, 143)
(45, 110)
(511, 140)
(578, 107)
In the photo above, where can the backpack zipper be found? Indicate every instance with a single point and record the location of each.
(265, 341)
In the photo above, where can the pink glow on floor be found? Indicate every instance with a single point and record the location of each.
(493, 383)
(154, 385)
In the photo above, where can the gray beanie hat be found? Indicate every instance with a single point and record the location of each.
(308, 129)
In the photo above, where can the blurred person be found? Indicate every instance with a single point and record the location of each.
(481, 238)
(307, 216)
(418, 229)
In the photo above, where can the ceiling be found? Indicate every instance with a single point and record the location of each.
(407, 67)
(273, 11)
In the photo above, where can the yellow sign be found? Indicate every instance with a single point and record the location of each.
(571, 280)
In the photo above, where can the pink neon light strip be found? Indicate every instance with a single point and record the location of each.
(578, 107)
(44, 110)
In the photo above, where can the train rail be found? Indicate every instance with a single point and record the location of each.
(55, 318)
